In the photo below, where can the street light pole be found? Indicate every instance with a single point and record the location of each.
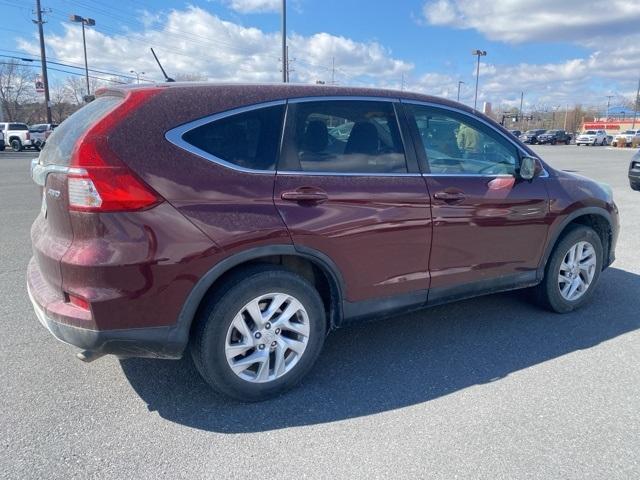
(478, 53)
(285, 60)
(137, 74)
(460, 82)
(90, 22)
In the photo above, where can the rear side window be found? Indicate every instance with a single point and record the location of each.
(343, 136)
(60, 143)
(249, 139)
(18, 126)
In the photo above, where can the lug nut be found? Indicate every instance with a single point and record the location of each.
(267, 326)
(258, 335)
(273, 344)
(277, 331)
(261, 346)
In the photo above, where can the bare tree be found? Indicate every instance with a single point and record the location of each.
(16, 89)
(190, 77)
(76, 89)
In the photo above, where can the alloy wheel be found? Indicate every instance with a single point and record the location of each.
(577, 271)
(267, 337)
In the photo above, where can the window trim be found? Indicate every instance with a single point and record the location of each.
(521, 151)
(409, 151)
(175, 135)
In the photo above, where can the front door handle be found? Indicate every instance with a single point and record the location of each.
(450, 196)
(305, 194)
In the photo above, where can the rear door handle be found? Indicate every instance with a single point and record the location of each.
(450, 196)
(314, 195)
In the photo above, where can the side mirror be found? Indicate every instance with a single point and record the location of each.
(528, 168)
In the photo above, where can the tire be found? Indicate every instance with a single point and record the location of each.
(604, 142)
(553, 142)
(217, 330)
(567, 142)
(16, 145)
(548, 292)
(2, 147)
(634, 185)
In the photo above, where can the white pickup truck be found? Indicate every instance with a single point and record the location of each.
(40, 133)
(16, 135)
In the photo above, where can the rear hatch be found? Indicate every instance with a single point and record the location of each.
(52, 233)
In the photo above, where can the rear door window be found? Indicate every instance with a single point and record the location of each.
(248, 140)
(343, 136)
(18, 126)
(61, 142)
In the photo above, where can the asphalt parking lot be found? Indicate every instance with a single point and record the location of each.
(486, 388)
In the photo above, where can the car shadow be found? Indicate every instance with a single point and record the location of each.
(386, 365)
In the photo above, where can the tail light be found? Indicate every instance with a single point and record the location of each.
(100, 181)
(28, 137)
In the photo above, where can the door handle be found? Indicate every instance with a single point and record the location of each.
(313, 195)
(450, 196)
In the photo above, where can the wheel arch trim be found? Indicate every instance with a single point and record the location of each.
(180, 332)
(560, 228)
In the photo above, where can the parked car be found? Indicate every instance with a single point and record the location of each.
(610, 139)
(2, 145)
(515, 133)
(531, 136)
(592, 137)
(40, 133)
(554, 137)
(16, 135)
(634, 172)
(206, 250)
(630, 138)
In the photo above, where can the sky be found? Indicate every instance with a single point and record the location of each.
(557, 52)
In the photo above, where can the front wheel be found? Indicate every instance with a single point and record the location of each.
(634, 185)
(572, 271)
(259, 334)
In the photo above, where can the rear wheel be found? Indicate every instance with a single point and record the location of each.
(16, 145)
(259, 334)
(634, 185)
(572, 271)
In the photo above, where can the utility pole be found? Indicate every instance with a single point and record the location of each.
(333, 70)
(606, 115)
(636, 106)
(285, 60)
(566, 114)
(402, 83)
(43, 59)
(520, 111)
(460, 82)
(478, 53)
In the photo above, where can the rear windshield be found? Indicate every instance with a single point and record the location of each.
(60, 144)
(590, 132)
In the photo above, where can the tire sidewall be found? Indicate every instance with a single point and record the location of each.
(16, 145)
(212, 361)
(552, 292)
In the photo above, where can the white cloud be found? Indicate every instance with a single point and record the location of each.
(254, 6)
(196, 41)
(538, 20)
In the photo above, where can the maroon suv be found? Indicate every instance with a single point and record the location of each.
(245, 222)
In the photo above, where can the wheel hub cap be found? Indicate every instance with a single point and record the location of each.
(577, 271)
(267, 337)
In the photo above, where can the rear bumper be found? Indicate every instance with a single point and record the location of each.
(155, 342)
